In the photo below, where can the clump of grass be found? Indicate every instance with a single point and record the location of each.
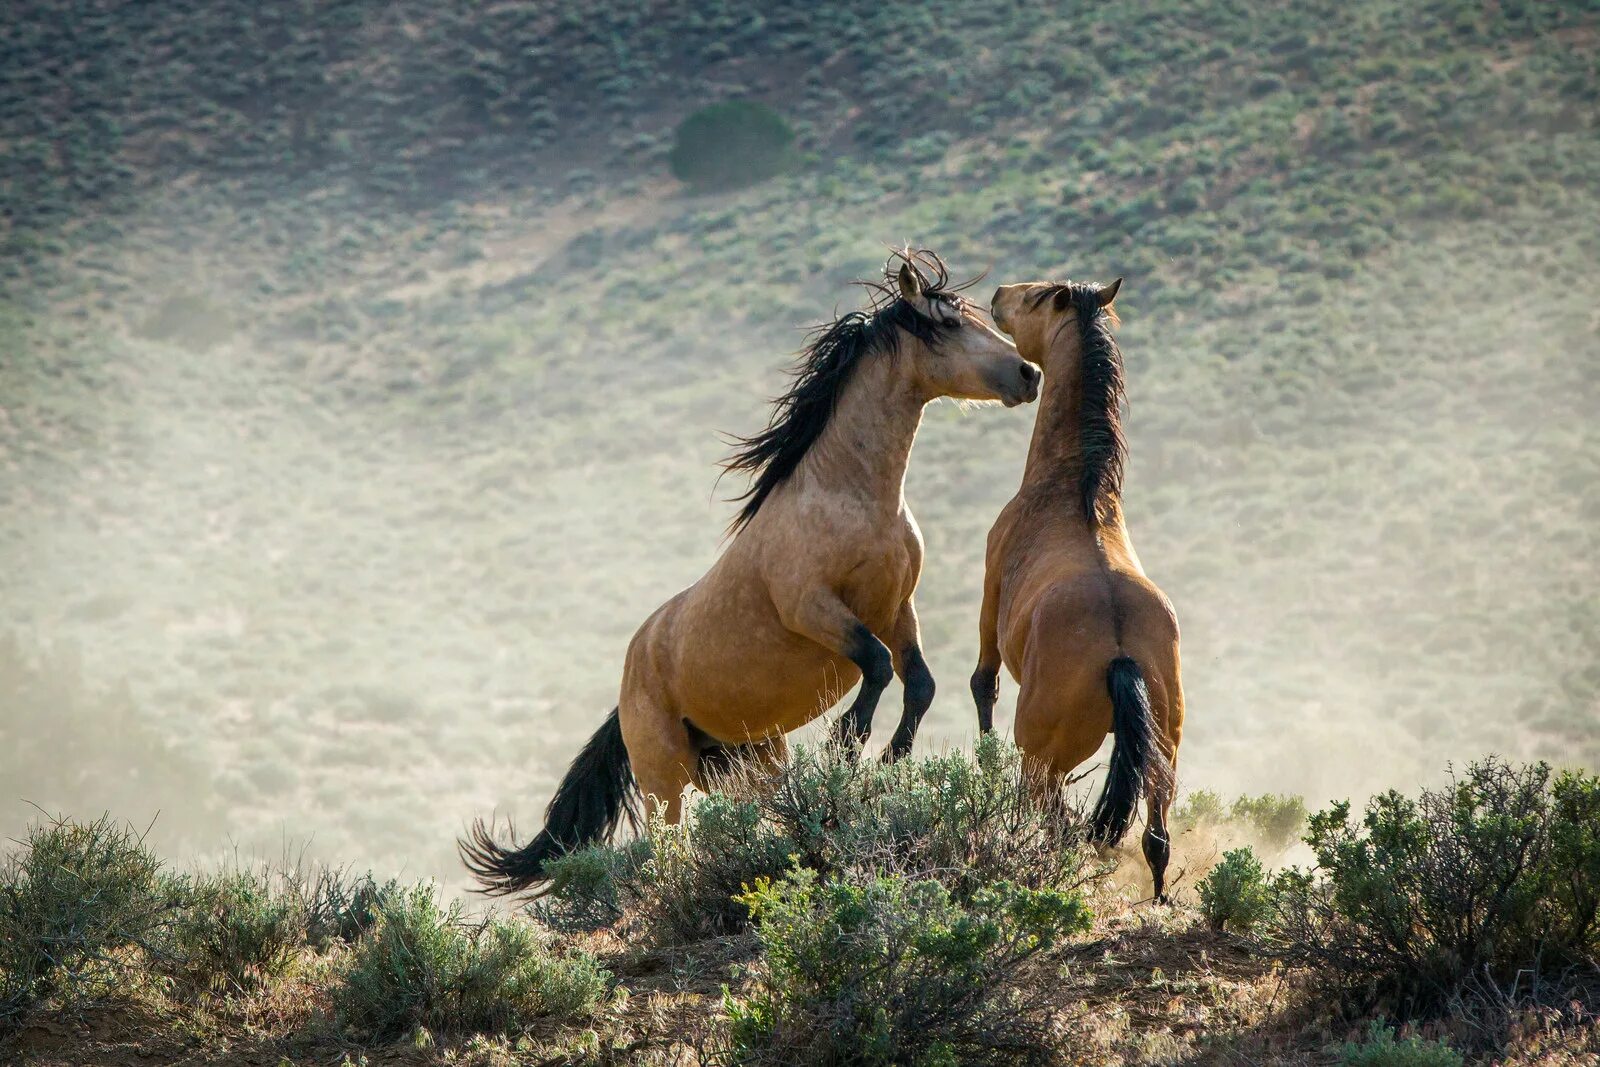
(423, 966)
(238, 931)
(78, 903)
(896, 971)
(1235, 894)
(1382, 1049)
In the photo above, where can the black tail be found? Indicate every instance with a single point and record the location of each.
(1132, 751)
(597, 793)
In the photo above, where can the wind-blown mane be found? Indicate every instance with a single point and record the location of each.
(1102, 447)
(824, 370)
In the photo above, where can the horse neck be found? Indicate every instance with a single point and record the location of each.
(1055, 454)
(866, 446)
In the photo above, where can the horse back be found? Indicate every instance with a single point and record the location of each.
(1084, 592)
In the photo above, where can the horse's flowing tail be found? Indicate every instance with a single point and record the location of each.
(597, 793)
(1132, 752)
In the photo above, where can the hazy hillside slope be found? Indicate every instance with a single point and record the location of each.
(361, 371)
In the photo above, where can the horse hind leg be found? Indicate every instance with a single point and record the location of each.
(1162, 785)
(1157, 843)
(664, 758)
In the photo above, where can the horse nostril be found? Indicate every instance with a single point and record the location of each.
(1030, 374)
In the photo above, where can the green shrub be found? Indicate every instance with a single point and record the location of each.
(1201, 807)
(697, 871)
(236, 932)
(425, 966)
(895, 971)
(591, 887)
(1381, 1049)
(964, 821)
(1235, 894)
(1492, 878)
(78, 902)
(734, 143)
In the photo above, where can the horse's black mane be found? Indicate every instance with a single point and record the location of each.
(824, 370)
(1102, 448)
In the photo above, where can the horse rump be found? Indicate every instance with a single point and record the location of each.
(597, 793)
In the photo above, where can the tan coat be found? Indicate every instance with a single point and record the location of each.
(1066, 602)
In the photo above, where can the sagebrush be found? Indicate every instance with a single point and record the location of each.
(427, 965)
(896, 971)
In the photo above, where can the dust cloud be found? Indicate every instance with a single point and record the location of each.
(356, 587)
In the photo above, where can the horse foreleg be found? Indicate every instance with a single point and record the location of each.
(825, 619)
(915, 676)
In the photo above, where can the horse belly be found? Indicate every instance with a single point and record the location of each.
(740, 675)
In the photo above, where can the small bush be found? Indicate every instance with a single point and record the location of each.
(75, 900)
(1201, 807)
(424, 966)
(1381, 1049)
(1492, 879)
(738, 142)
(1235, 895)
(237, 933)
(697, 872)
(895, 971)
(591, 887)
(964, 821)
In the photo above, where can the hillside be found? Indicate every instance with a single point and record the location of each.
(362, 371)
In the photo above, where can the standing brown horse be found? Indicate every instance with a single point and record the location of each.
(1067, 608)
(813, 592)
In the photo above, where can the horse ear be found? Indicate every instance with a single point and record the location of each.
(1108, 293)
(910, 283)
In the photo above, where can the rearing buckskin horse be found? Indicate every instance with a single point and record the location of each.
(813, 592)
(1067, 608)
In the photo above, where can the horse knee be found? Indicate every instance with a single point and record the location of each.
(874, 659)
